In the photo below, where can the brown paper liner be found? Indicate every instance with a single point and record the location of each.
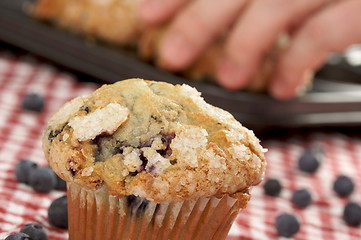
(96, 215)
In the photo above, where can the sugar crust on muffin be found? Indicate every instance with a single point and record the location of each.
(154, 140)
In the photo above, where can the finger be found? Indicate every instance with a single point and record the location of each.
(332, 30)
(194, 28)
(154, 12)
(254, 35)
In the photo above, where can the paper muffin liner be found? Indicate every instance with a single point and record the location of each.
(99, 216)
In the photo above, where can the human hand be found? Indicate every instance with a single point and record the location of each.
(316, 27)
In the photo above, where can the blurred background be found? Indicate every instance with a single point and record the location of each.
(333, 100)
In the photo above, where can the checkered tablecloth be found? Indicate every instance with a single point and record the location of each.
(20, 137)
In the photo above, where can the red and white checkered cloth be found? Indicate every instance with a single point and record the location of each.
(20, 137)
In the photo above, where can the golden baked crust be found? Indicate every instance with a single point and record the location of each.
(116, 22)
(153, 140)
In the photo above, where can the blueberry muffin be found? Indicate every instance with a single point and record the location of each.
(150, 160)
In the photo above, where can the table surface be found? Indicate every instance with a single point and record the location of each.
(20, 137)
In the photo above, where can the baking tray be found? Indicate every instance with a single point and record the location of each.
(333, 101)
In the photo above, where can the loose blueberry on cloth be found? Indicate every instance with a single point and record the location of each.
(287, 225)
(301, 198)
(18, 236)
(23, 169)
(272, 187)
(33, 102)
(311, 159)
(58, 212)
(42, 179)
(35, 231)
(343, 186)
(352, 214)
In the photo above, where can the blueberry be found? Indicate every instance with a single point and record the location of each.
(35, 231)
(42, 180)
(352, 214)
(166, 140)
(301, 198)
(58, 212)
(60, 183)
(272, 187)
(343, 186)
(310, 160)
(133, 173)
(33, 102)
(18, 236)
(23, 169)
(287, 225)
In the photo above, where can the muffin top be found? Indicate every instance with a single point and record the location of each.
(154, 140)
